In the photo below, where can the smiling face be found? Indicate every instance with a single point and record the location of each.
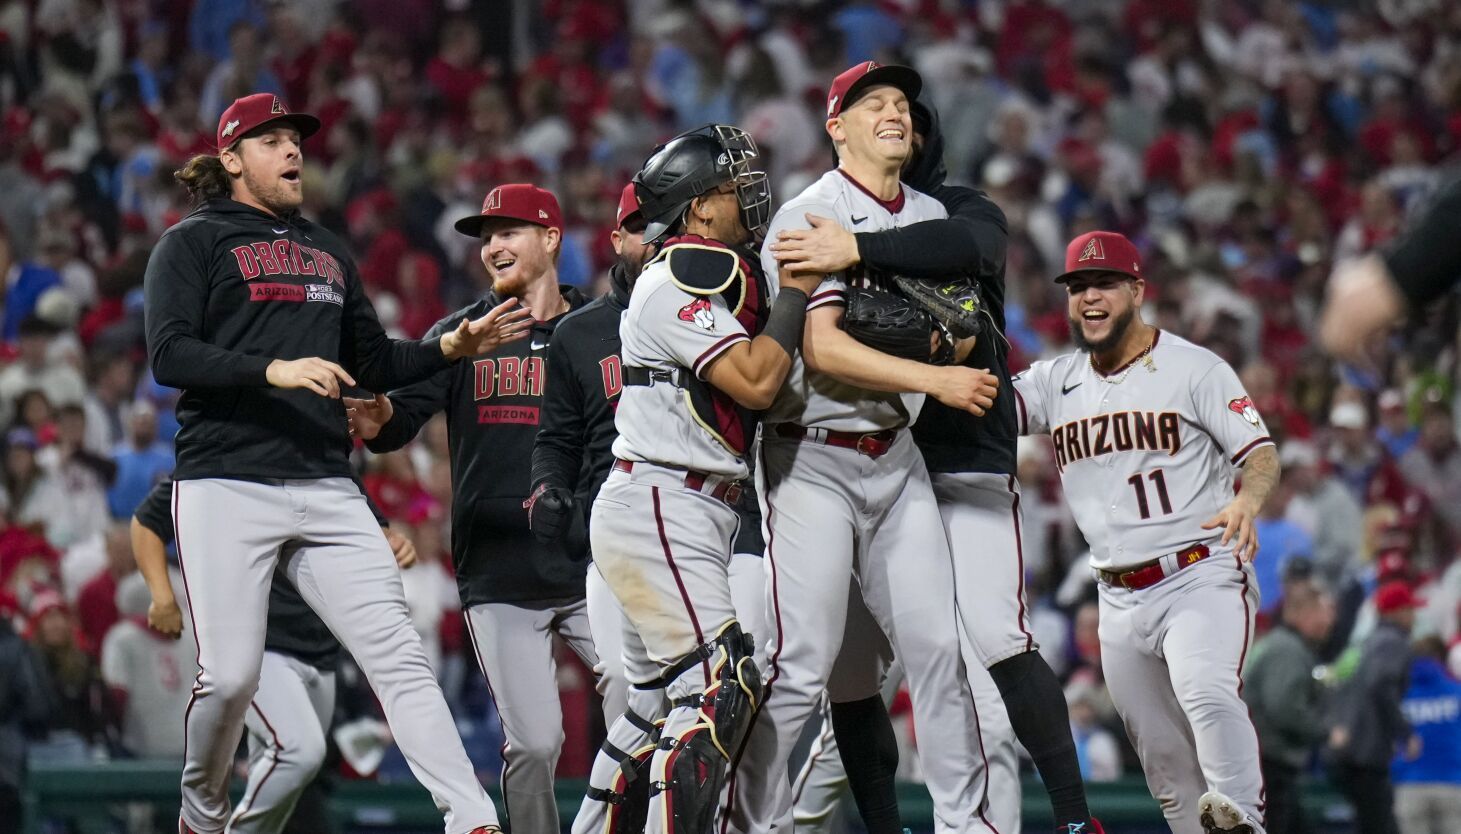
(875, 127)
(516, 254)
(1102, 306)
(266, 169)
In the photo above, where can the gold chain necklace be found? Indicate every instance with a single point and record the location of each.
(1144, 357)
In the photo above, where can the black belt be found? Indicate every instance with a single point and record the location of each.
(638, 375)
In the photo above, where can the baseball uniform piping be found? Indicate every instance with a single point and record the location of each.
(1247, 450)
(1242, 659)
(197, 646)
(822, 299)
(247, 801)
(664, 541)
(1020, 556)
(502, 780)
(1024, 416)
(716, 350)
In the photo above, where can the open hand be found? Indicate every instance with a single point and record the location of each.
(824, 248)
(967, 389)
(165, 618)
(368, 416)
(500, 325)
(1237, 519)
(1360, 306)
(318, 375)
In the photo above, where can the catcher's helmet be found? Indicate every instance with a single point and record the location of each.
(692, 164)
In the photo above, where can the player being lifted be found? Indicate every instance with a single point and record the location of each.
(700, 356)
(1148, 429)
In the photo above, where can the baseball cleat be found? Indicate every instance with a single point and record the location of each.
(1220, 815)
(1091, 826)
(486, 829)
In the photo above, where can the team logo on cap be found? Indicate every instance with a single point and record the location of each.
(698, 313)
(1243, 407)
(493, 201)
(277, 107)
(229, 128)
(832, 105)
(542, 215)
(1093, 250)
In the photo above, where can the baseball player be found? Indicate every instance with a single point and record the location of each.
(290, 714)
(1148, 429)
(700, 356)
(972, 465)
(258, 315)
(855, 546)
(517, 591)
(572, 458)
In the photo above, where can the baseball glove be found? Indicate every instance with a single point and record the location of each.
(956, 304)
(889, 322)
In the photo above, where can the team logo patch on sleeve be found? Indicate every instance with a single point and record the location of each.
(1243, 407)
(698, 313)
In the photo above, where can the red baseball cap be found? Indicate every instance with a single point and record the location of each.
(250, 112)
(1101, 252)
(849, 85)
(628, 205)
(517, 201)
(1395, 596)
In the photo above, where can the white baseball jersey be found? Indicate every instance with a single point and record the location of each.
(1146, 454)
(668, 329)
(817, 400)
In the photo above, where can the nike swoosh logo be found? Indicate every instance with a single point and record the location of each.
(1064, 390)
(283, 231)
(857, 220)
(537, 345)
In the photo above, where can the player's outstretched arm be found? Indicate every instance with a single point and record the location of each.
(752, 371)
(163, 614)
(1260, 476)
(828, 349)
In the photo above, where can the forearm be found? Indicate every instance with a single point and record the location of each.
(151, 555)
(932, 249)
(557, 459)
(179, 361)
(391, 363)
(1260, 476)
(829, 350)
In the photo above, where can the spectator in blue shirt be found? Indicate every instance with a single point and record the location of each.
(1282, 542)
(142, 461)
(1395, 432)
(1428, 787)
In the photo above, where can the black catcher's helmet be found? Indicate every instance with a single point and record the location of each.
(692, 164)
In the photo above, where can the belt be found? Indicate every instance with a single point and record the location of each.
(873, 444)
(1149, 574)
(720, 489)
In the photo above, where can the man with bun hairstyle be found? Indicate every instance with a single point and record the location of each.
(1149, 430)
(517, 590)
(260, 317)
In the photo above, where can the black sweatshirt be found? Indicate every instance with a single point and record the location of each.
(585, 377)
(293, 627)
(492, 404)
(230, 289)
(1426, 261)
(972, 241)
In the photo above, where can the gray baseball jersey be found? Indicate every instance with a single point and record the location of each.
(668, 329)
(816, 400)
(1147, 453)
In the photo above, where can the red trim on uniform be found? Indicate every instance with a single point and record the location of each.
(716, 350)
(477, 653)
(1020, 556)
(892, 206)
(177, 541)
(247, 801)
(1247, 450)
(664, 541)
(1024, 415)
(1242, 659)
(1156, 334)
(824, 299)
(983, 757)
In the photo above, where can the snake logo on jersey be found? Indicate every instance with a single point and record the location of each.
(1243, 407)
(1123, 431)
(698, 313)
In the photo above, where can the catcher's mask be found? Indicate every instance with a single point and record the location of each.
(694, 163)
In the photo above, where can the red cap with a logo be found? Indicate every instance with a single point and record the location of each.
(1395, 596)
(849, 85)
(256, 110)
(628, 205)
(517, 201)
(1101, 252)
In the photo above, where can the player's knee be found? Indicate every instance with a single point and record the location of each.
(540, 750)
(234, 687)
(306, 752)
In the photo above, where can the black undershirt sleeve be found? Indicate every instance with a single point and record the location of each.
(378, 362)
(971, 241)
(1425, 262)
(559, 448)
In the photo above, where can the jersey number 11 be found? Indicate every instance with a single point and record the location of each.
(1158, 479)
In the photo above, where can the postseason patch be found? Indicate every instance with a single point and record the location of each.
(1243, 407)
(698, 313)
(324, 292)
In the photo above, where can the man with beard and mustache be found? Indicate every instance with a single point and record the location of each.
(517, 591)
(971, 460)
(1148, 431)
(260, 317)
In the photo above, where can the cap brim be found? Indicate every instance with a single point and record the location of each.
(1066, 276)
(306, 124)
(904, 78)
(472, 225)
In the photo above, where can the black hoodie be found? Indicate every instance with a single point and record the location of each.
(972, 242)
(230, 289)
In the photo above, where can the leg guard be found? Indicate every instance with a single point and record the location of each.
(628, 793)
(704, 731)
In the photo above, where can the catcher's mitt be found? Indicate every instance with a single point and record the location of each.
(889, 322)
(954, 303)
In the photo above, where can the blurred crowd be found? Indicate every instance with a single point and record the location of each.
(1244, 145)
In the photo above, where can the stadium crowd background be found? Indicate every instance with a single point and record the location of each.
(1244, 145)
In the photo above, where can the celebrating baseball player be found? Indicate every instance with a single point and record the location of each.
(517, 591)
(700, 356)
(1148, 429)
(259, 316)
(290, 714)
(972, 464)
(856, 548)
